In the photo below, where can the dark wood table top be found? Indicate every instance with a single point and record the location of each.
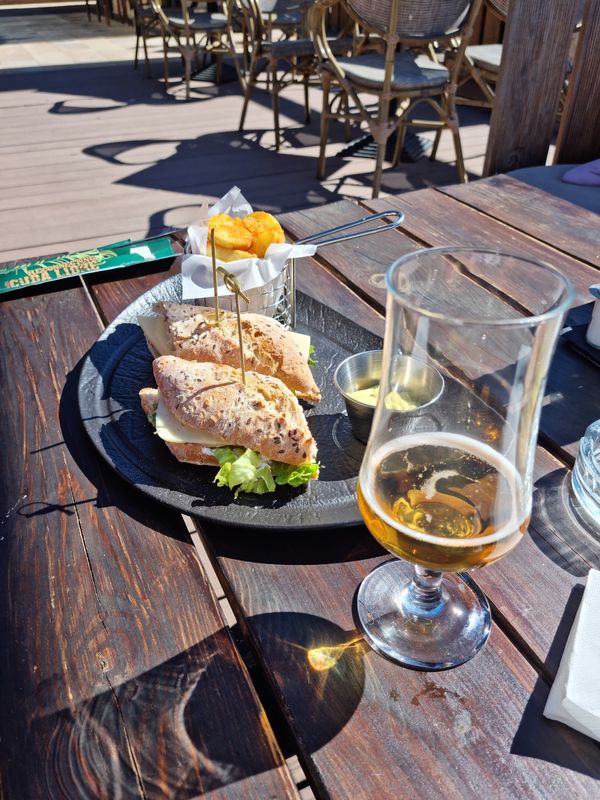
(121, 677)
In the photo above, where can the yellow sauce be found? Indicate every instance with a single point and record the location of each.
(366, 396)
(394, 401)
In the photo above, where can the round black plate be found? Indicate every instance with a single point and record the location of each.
(119, 365)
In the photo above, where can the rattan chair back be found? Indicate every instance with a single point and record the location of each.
(499, 7)
(415, 19)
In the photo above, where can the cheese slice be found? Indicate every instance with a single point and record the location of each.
(303, 343)
(155, 331)
(171, 430)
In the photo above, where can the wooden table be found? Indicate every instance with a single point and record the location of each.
(121, 678)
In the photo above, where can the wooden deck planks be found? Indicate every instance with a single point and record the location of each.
(100, 152)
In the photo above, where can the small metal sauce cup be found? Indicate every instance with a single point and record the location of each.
(363, 370)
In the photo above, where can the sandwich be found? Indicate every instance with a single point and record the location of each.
(184, 331)
(256, 433)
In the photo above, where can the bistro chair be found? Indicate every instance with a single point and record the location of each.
(206, 34)
(481, 62)
(281, 49)
(146, 24)
(409, 71)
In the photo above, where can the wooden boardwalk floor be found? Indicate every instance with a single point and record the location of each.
(92, 151)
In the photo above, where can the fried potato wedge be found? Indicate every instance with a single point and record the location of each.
(230, 232)
(265, 230)
(249, 237)
(223, 254)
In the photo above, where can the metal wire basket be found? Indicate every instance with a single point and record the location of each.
(277, 299)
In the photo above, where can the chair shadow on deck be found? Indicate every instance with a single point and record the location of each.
(99, 89)
(212, 163)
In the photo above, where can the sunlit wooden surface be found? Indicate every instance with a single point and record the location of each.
(91, 151)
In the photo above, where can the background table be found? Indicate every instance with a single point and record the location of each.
(120, 676)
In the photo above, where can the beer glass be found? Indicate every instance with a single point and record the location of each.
(448, 487)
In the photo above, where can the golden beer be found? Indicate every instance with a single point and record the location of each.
(444, 501)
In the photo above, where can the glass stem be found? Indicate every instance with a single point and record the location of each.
(424, 595)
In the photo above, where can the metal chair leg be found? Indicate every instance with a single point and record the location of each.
(460, 164)
(324, 127)
(239, 62)
(188, 53)
(347, 127)
(275, 96)
(378, 169)
(137, 47)
(452, 123)
(306, 103)
(436, 143)
(165, 61)
(188, 75)
(250, 81)
(146, 59)
(400, 136)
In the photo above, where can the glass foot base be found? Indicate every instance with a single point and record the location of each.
(442, 635)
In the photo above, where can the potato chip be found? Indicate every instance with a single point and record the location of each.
(265, 230)
(223, 254)
(230, 232)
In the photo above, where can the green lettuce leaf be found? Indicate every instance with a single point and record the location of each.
(311, 360)
(246, 471)
(293, 474)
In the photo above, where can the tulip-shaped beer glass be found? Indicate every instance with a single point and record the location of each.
(448, 487)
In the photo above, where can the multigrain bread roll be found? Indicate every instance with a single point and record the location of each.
(189, 452)
(268, 348)
(211, 401)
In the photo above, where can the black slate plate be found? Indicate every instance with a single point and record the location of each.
(119, 365)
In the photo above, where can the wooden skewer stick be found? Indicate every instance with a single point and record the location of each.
(239, 321)
(232, 283)
(214, 272)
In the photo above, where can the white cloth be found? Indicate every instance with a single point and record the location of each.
(252, 273)
(575, 695)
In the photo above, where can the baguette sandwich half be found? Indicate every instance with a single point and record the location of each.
(256, 433)
(182, 330)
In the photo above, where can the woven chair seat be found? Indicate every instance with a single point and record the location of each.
(201, 22)
(486, 56)
(410, 72)
(287, 18)
(146, 12)
(288, 48)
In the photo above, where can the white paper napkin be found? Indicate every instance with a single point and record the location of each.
(575, 695)
(252, 273)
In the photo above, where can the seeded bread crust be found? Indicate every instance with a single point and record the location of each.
(263, 415)
(189, 452)
(268, 347)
